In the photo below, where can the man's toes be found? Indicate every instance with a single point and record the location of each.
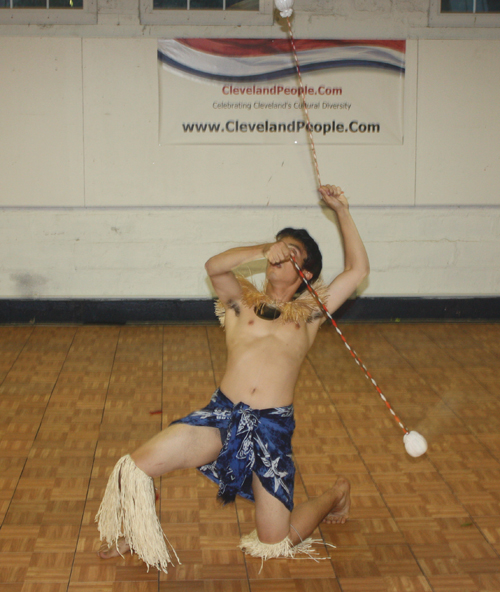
(106, 552)
(343, 482)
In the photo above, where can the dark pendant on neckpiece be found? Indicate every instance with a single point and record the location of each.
(266, 312)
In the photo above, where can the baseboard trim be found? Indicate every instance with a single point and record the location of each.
(176, 311)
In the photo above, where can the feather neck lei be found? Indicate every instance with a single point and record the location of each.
(300, 309)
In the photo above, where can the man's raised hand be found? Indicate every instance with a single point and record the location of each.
(334, 197)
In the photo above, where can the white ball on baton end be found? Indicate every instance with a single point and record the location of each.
(415, 444)
(285, 7)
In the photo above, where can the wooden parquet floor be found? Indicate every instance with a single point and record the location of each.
(74, 399)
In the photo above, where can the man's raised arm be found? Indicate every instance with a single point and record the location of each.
(219, 269)
(356, 264)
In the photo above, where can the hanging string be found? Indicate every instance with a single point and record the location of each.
(357, 359)
(309, 126)
(414, 442)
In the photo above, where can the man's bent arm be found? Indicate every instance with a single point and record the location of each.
(356, 264)
(219, 269)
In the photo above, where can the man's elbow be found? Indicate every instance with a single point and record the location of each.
(364, 272)
(361, 271)
(210, 267)
(213, 267)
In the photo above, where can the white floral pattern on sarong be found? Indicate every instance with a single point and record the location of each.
(256, 441)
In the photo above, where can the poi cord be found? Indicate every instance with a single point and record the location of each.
(357, 359)
(415, 444)
(309, 126)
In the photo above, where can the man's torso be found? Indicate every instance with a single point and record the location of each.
(264, 357)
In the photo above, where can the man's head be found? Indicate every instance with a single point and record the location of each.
(313, 262)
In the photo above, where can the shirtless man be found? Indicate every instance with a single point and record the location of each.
(264, 359)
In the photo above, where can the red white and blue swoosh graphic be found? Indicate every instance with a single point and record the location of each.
(247, 60)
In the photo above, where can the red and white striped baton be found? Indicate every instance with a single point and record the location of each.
(415, 443)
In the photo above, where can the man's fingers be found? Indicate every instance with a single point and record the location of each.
(331, 191)
(278, 253)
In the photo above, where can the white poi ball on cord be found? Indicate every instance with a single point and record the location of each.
(285, 7)
(415, 444)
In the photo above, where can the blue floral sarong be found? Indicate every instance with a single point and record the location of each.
(253, 441)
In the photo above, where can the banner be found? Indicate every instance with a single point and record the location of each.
(246, 91)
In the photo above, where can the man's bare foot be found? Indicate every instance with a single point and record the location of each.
(340, 509)
(105, 553)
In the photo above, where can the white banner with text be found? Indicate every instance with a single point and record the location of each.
(246, 91)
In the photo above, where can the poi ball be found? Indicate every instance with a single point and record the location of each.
(415, 444)
(285, 7)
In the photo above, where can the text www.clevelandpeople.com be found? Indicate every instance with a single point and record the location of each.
(236, 126)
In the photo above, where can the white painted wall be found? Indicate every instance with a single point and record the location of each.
(79, 130)
(444, 251)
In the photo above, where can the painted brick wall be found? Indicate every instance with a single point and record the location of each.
(160, 253)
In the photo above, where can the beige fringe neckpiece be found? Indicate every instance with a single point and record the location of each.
(128, 511)
(301, 309)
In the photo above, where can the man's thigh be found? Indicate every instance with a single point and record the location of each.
(272, 518)
(180, 446)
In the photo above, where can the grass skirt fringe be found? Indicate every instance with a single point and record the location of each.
(251, 545)
(128, 511)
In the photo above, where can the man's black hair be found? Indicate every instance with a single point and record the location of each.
(314, 260)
